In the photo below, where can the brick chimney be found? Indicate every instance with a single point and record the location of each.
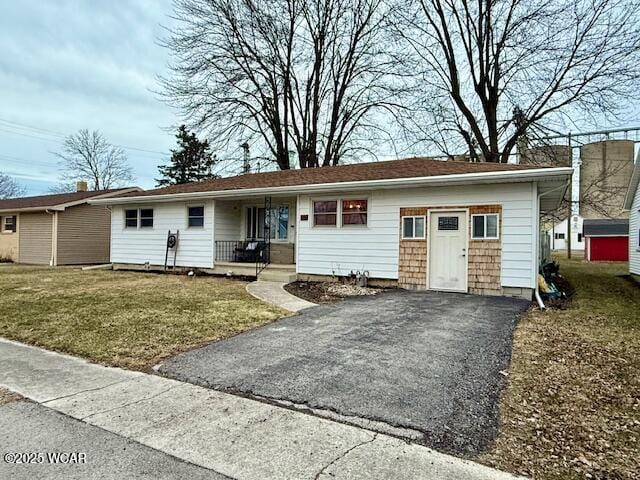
(81, 186)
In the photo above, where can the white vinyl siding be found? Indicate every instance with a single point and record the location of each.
(137, 246)
(375, 247)
(228, 220)
(634, 226)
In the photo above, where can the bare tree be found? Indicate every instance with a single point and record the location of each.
(9, 188)
(497, 67)
(312, 76)
(88, 156)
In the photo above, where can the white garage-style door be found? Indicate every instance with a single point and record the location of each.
(448, 251)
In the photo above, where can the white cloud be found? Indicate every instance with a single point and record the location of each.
(71, 65)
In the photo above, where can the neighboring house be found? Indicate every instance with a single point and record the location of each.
(632, 203)
(417, 223)
(558, 234)
(606, 239)
(60, 229)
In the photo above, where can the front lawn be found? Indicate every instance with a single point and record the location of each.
(126, 319)
(572, 405)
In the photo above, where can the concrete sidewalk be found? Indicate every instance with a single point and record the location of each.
(275, 294)
(231, 435)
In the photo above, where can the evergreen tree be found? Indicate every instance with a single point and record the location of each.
(190, 162)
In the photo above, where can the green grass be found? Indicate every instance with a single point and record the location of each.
(572, 405)
(126, 319)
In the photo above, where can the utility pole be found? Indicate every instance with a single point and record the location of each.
(246, 165)
(569, 218)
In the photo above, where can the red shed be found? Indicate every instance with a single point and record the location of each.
(606, 240)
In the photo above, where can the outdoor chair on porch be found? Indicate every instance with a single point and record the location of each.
(249, 251)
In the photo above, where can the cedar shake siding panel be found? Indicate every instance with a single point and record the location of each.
(35, 230)
(83, 235)
(412, 264)
(485, 256)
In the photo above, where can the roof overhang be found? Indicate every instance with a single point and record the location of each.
(540, 175)
(62, 206)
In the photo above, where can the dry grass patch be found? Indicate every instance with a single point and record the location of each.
(126, 319)
(572, 405)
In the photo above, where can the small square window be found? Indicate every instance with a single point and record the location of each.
(196, 217)
(413, 228)
(484, 227)
(131, 218)
(146, 217)
(354, 212)
(325, 212)
(9, 223)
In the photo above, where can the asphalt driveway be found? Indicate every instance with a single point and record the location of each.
(425, 361)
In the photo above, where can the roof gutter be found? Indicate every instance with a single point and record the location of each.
(463, 178)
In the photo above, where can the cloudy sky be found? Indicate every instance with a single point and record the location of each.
(67, 65)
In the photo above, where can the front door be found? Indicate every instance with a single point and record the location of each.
(448, 251)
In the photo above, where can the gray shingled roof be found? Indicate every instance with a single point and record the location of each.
(601, 227)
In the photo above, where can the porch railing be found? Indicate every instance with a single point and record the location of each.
(226, 250)
(236, 251)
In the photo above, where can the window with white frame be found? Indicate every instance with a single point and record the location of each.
(350, 211)
(195, 217)
(485, 227)
(9, 223)
(325, 213)
(146, 218)
(131, 218)
(274, 220)
(413, 227)
(354, 212)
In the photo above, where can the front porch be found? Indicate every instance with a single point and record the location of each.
(255, 238)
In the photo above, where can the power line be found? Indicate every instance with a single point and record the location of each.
(22, 161)
(52, 133)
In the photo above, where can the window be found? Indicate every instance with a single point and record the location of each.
(131, 218)
(276, 223)
(559, 236)
(283, 223)
(485, 226)
(196, 217)
(413, 227)
(447, 223)
(146, 217)
(579, 237)
(9, 224)
(325, 212)
(354, 212)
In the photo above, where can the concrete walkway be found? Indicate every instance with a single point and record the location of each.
(231, 435)
(275, 294)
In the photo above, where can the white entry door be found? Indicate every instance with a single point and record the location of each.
(448, 251)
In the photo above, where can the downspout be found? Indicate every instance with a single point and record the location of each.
(540, 195)
(54, 237)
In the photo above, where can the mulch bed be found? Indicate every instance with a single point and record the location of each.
(326, 292)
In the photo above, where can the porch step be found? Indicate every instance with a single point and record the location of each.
(277, 274)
